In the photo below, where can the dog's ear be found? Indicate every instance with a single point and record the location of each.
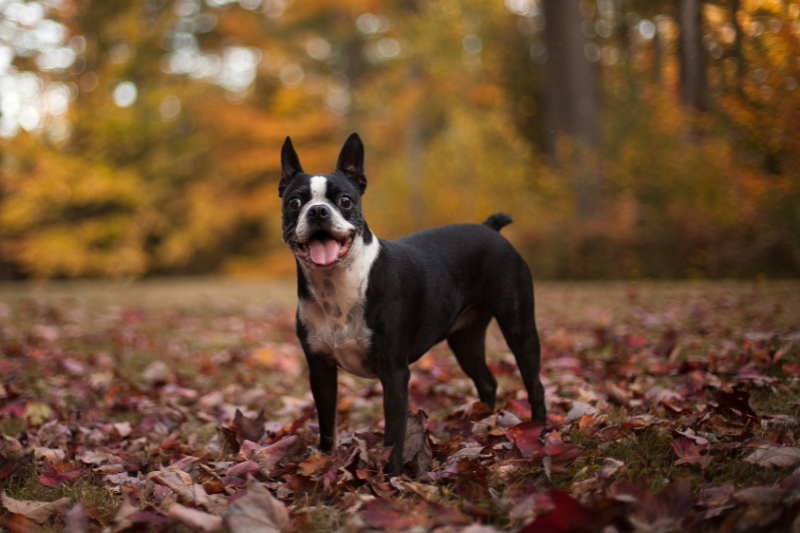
(290, 165)
(351, 162)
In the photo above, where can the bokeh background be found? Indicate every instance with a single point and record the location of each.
(629, 138)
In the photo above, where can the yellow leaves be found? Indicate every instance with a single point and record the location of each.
(36, 412)
(91, 248)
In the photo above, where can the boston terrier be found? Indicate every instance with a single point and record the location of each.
(373, 307)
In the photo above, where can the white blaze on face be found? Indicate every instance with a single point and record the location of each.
(319, 188)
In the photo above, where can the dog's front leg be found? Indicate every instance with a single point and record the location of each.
(322, 372)
(395, 410)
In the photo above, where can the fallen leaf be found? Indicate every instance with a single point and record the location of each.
(567, 515)
(249, 428)
(243, 469)
(76, 520)
(432, 493)
(383, 513)
(50, 454)
(417, 451)
(56, 475)
(782, 457)
(689, 450)
(268, 457)
(609, 468)
(39, 512)
(256, 512)
(17, 523)
(36, 412)
(526, 437)
(764, 495)
(195, 519)
(181, 484)
(315, 465)
(737, 402)
(665, 510)
(579, 410)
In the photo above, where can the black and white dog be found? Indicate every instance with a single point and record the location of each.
(373, 307)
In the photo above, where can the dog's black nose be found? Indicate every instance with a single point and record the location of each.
(318, 212)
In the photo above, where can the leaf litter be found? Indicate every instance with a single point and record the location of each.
(669, 414)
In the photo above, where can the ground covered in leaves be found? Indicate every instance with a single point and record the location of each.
(184, 406)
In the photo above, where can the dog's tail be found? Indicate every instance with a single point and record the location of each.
(498, 221)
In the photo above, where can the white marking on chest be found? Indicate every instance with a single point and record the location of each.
(334, 316)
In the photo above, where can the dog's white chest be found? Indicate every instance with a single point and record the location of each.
(334, 317)
(342, 334)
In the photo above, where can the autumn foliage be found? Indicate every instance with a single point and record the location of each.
(448, 96)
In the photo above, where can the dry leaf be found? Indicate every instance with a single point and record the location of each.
(77, 521)
(256, 512)
(784, 457)
(417, 450)
(17, 523)
(195, 519)
(39, 512)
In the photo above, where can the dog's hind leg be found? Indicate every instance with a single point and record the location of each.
(515, 316)
(469, 346)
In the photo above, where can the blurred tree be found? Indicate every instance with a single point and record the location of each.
(571, 98)
(143, 137)
(692, 54)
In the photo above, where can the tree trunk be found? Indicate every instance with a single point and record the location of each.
(571, 99)
(738, 56)
(690, 52)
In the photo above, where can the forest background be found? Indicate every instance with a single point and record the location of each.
(629, 138)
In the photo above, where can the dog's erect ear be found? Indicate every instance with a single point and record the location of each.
(351, 162)
(290, 165)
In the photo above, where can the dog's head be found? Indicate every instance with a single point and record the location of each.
(322, 215)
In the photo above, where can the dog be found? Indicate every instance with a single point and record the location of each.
(372, 306)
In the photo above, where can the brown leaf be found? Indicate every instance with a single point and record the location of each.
(688, 448)
(243, 469)
(55, 475)
(256, 512)
(77, 521)
(722, 427)
(181, 484)
(431, 493)
(39, 512)
(764, 495)
(249, 428)
(568, 515)
(122, 520)
(383, 513)
(17, 523)
(783, 457)
(316, 464)
(610, 467)
(446, 516)
(559, 453)
(268, 457)
(666, 510)
(471, 480)
(195, 519)
(417, 452)
(527, 437)
(736, 402)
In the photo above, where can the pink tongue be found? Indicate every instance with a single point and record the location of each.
(324, 252)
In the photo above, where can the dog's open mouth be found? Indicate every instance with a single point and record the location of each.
(323, 249)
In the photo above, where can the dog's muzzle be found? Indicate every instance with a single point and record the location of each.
(324, 246)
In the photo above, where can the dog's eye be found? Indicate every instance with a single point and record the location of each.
(345, 202)
(294, 203)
